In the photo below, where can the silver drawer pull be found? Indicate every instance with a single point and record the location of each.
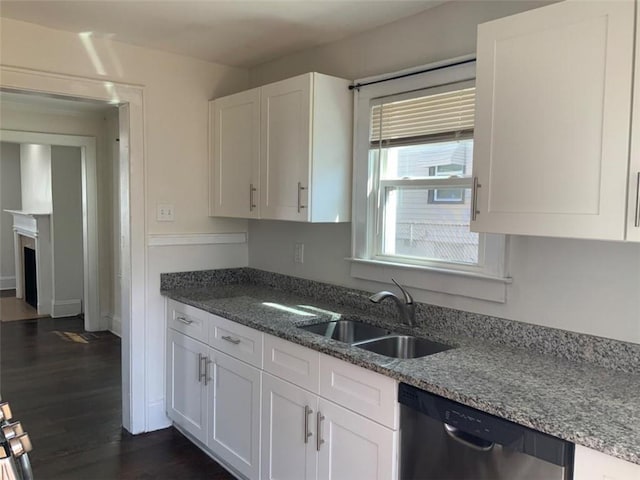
(184, 320)
(230, 339)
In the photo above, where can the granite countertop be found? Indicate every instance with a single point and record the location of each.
(579, 402)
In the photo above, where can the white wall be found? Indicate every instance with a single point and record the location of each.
(35, 178)
(176, 94)
(10, 198)
(66, 231)
(584, 286)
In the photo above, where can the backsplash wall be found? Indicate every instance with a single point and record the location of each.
(578, 285)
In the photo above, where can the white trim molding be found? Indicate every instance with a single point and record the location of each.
(66, 308)
(8, 283)
(163, 240)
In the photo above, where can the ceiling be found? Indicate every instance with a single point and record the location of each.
(232, 32)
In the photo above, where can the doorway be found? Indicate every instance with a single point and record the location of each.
(56, 244)
(129, 101)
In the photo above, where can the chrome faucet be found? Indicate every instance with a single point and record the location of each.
(406, 308)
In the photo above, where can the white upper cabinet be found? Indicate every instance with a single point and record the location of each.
(552, 127)
(306, 149)
(633, 188)
(283, 151)
(235, 143)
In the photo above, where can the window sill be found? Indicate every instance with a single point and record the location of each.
(451, 282)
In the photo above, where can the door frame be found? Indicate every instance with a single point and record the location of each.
(130, 100)
(93, 320)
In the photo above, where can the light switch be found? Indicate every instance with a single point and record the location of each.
(165, 212)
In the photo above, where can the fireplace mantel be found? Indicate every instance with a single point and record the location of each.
(35, 225)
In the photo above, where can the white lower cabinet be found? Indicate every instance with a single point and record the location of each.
(234, 413)
(288, 446)
(186, 391)
(306, 437)
(260, 424)
(216, 399)
(352, 446)
(593, 465)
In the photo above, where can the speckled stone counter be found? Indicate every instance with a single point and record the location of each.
(575, 399)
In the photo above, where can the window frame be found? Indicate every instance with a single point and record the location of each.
(425, 274)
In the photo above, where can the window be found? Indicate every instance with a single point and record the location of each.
(413, 177)
(422, 147)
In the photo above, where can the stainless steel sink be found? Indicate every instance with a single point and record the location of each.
(348, 331)
(403, 346)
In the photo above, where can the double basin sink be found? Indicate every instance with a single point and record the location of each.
(376, 339)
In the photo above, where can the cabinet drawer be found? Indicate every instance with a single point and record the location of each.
(363, 391)
(241, 342)
(188, 320)
(299, 365)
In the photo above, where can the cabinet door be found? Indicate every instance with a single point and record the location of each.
(288, 453)
(353, 446)
(234, 413)
(552, 121)
(186, 391)
(593, 465)
(633, 209)
(235, 150)
(286, 148)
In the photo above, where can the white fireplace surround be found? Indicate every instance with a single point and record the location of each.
(36, 226)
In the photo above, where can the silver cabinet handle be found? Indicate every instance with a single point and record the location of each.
(637, 219)
(307, 433)
(200, 374)
(319, 439)
(252, 190)
(207, 377)
(186, 321)
(300, 189)
(230, 339)
(474, 199)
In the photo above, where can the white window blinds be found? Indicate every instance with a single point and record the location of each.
(430, 118)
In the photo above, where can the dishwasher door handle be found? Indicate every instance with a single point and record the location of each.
(467, 439)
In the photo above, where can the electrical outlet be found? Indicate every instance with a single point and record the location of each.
(165, 212)
(298, 253)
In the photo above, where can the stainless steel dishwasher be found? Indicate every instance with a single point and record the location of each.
(444, 440)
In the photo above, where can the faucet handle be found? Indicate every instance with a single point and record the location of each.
(408, 299)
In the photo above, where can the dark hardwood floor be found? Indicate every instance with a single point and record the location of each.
(67, 396)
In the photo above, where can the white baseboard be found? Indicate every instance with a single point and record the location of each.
(7, 283)
(156, 416)
(66, 308)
